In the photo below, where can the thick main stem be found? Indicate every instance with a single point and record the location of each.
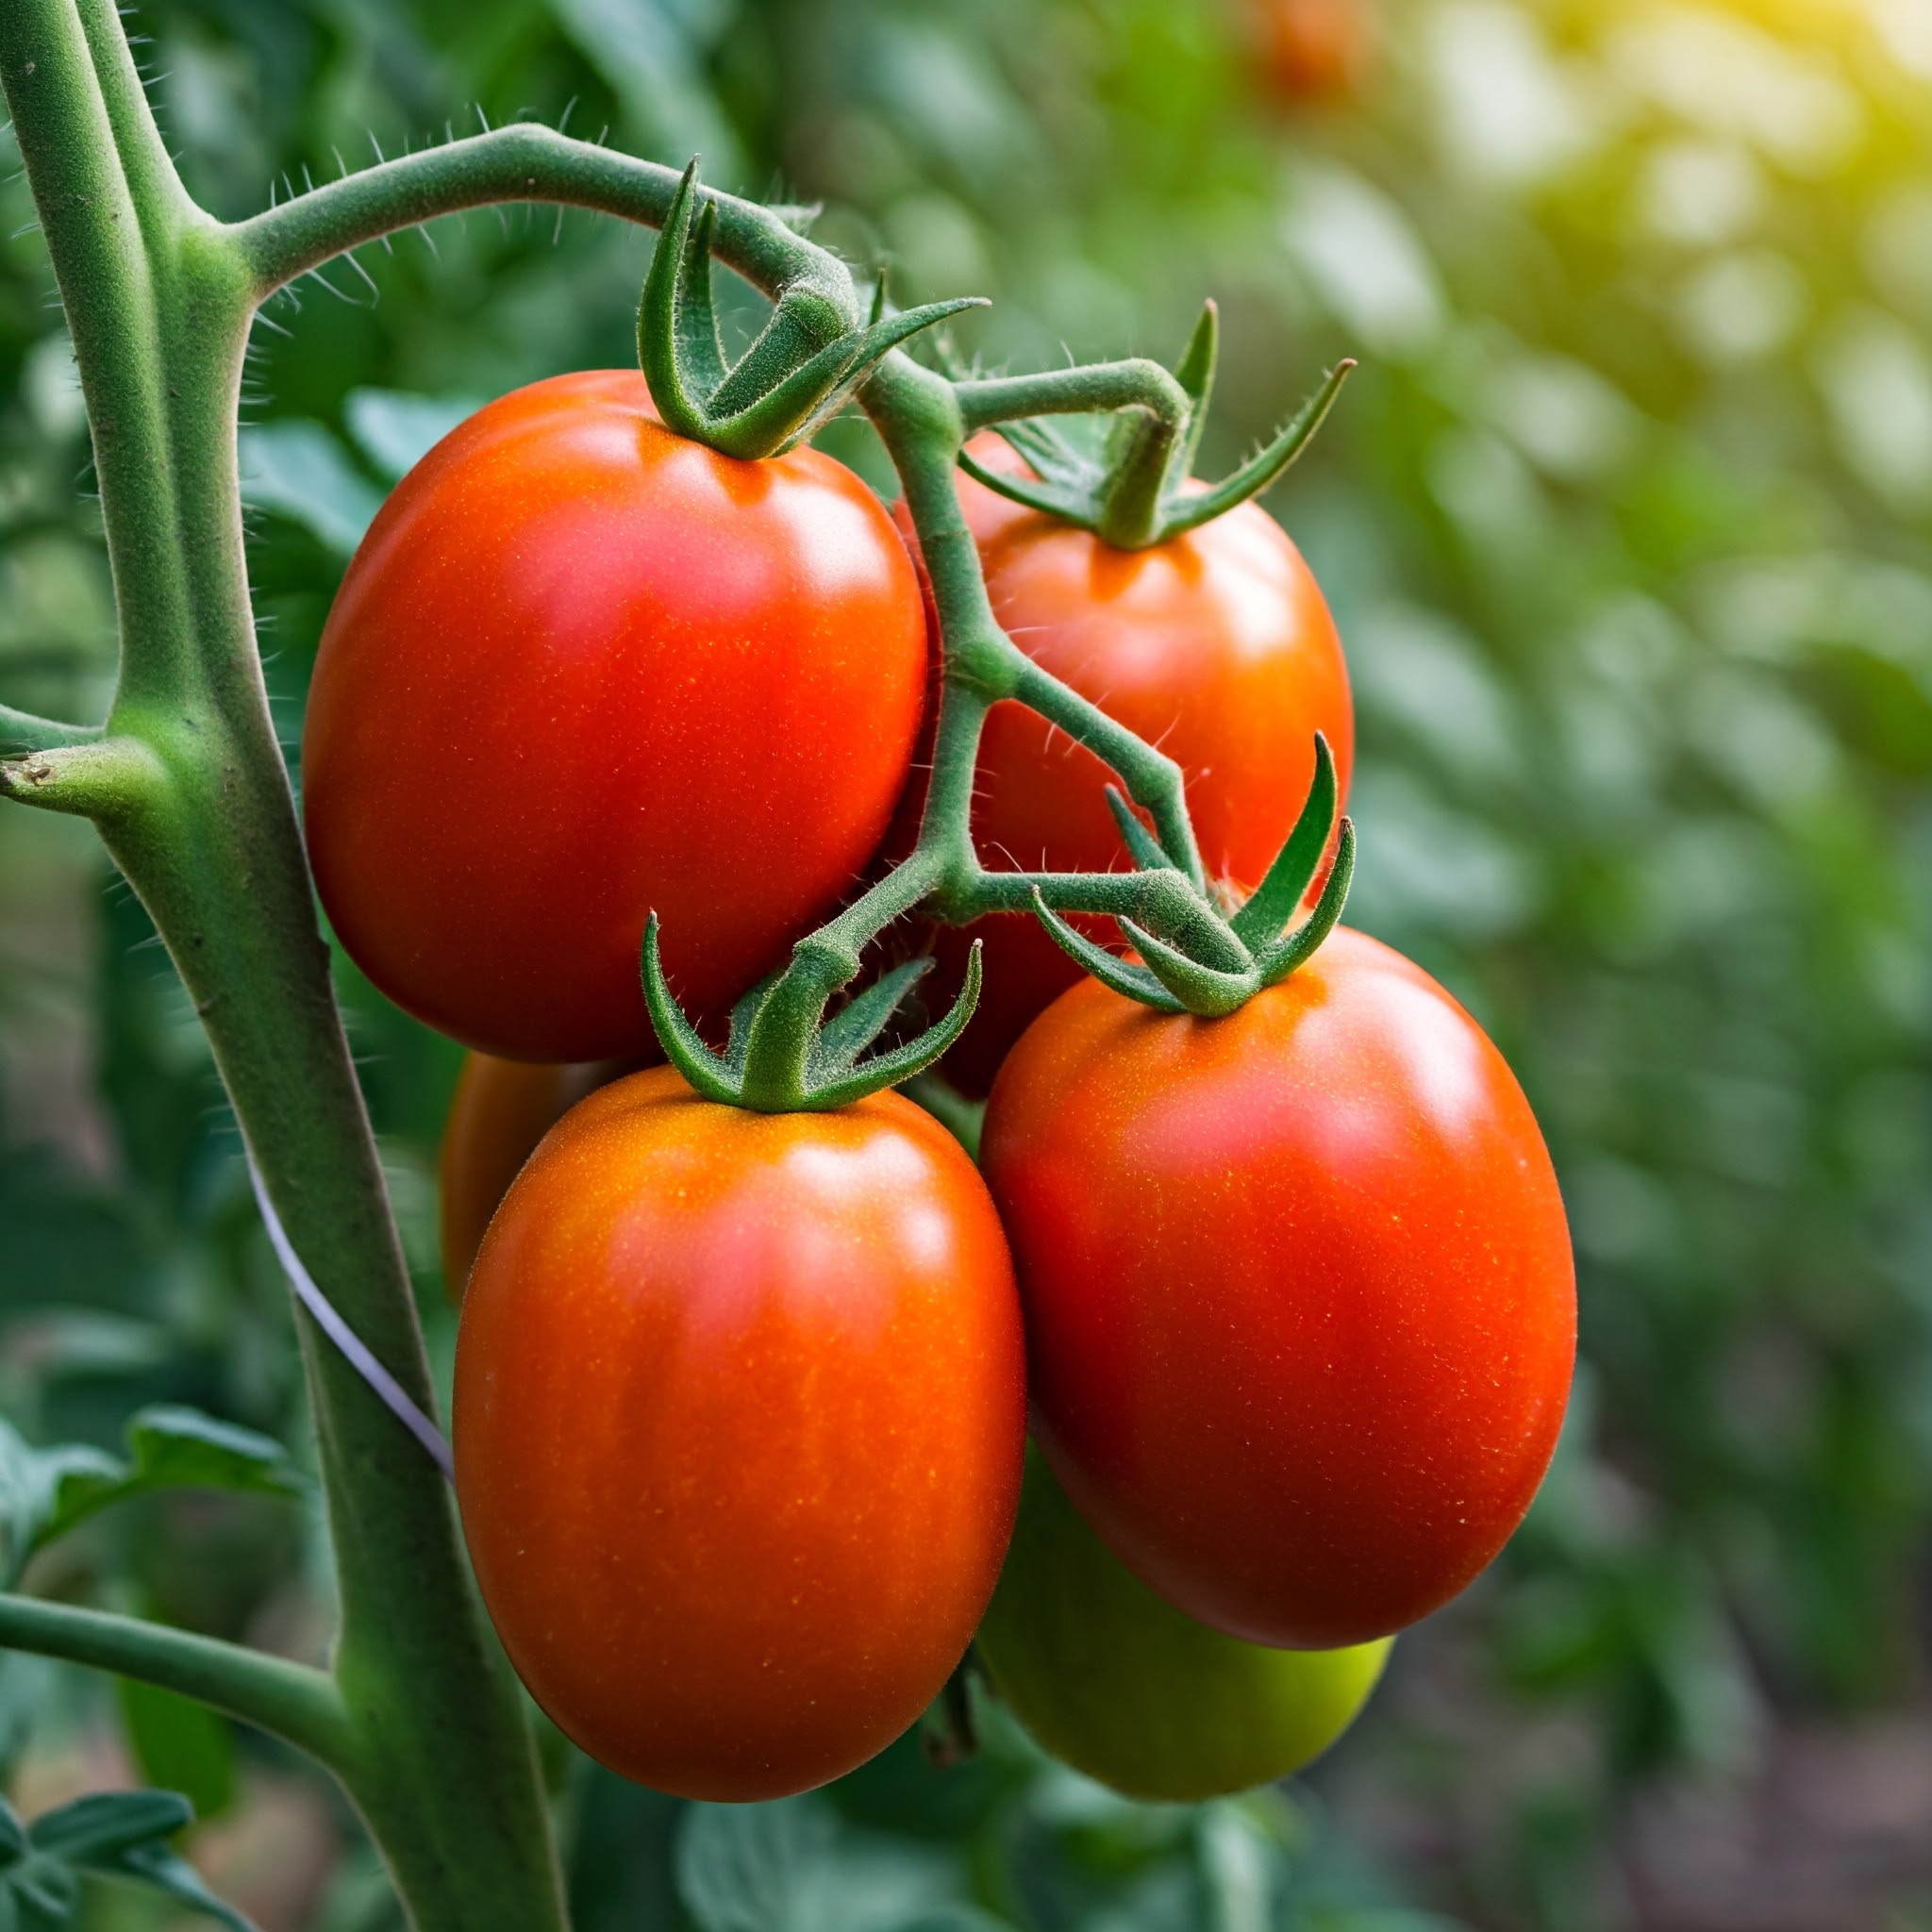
(437, 1755)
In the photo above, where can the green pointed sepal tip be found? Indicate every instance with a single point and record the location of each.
(1123, 975)
(1183, 513)
(1194, 372)
(1147, 851)
(783, 1056)
(1135, 512)
(802, 369)
(1272, 902)
(1255, 952)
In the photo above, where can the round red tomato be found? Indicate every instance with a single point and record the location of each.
(1300, 1310)
(1116, 1682)
(739, 1414)
(1315, 50)
(1216, 646)
(500, 1110)
(581, 669)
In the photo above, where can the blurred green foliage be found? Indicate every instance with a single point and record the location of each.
(1625, 522)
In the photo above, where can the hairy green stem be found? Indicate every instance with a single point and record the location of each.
(288, 1700)
(1139, 383)
(189, 794)
(188, 787)
(922, 421)
(525, 163)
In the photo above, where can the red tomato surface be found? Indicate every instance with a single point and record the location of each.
(1300, 1311)
(500, 1110)
(1315, 50)
(1217, 646)
(739, 1417)
(580, 669)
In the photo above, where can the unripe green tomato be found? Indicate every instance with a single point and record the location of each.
(1118, 1683)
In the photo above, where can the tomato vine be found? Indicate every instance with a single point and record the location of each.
(418, 1715)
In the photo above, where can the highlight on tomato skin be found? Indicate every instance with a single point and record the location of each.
(581, 669)
(1300, 1304)
(1218, 646)
(1115, 1681)
(739, 1424)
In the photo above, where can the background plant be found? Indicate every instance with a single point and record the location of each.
(1624, 520)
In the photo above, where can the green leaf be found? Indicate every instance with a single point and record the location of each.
(12, 1835)
(299, 471)
(396, 431)
(175, 1448)
(46, 1493)
(106, 1823)
(111, 1835)
(743, 1868)
(179, 1744)
(30, 1484)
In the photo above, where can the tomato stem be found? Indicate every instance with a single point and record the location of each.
(289, 1701)
(187, 786)
(796, 376)
(189, 794)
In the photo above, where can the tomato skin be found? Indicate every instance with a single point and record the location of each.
(1115, 1681)
(1300, 1307)
(580, 669)
(500, 1110)
(1217, 646)
(739, 1424)
(1315, 50)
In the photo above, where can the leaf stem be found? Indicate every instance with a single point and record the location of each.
(20, 731)
(288, 1700)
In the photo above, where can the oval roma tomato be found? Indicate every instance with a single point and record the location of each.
(581, 669)
(1116, 1682)
(1300, 1309)
(1217, 646)
(739, 1415)
(500, 1110)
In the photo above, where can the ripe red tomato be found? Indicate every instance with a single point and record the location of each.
(500, 1110)
(1315, 50)
(580, 669)
(1300, 1308)
(1216, 646)
(739, 1415)
(1118, 1683)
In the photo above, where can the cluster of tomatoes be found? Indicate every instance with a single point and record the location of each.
(742, 1399)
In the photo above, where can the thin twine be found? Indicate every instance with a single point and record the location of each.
(394, 1397)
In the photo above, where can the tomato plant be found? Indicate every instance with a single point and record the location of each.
(597, 670)
(1216, 645)
(614, 704)
(1116, 1681)
(740, 1406)
(1299, 1302)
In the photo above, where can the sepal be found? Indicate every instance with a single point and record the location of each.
(1133, 493)
(782, 1056)
(1251, 951)
(802, 368)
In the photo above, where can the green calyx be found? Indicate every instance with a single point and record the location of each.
(1173, 981)
(1133, 493)
(783, 1056)
(802, 370)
